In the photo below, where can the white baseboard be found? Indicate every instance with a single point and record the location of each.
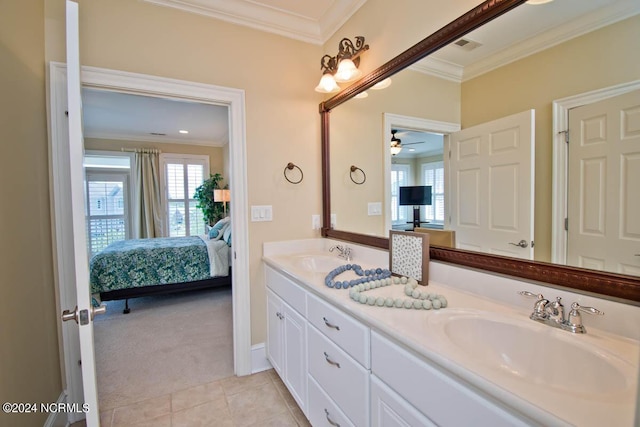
(259, 360)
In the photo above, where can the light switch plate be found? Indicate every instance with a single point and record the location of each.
(261, 213)
(315, 222)
(374, 208)
(334, 221)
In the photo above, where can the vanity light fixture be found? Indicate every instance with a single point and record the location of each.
(343, 67)
(382, 85)
(396, 143)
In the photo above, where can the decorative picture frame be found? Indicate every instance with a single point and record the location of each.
(409, 255)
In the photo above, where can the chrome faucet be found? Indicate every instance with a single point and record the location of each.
(343, 251)
(552, 313)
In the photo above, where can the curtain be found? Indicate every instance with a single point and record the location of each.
(147, 214)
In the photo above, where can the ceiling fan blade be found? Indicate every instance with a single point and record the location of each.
(413, 143)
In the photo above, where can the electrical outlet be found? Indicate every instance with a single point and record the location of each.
(334, 221)
(315, 222)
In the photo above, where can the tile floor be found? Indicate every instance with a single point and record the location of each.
(260, 399)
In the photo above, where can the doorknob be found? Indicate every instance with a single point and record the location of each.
(70, 315)
(76, 314)
(98, 310)
(522, 243)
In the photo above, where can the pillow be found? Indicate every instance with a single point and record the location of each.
(216, 231)
(227, 235)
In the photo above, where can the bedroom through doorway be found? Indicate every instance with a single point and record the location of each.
(174, 341)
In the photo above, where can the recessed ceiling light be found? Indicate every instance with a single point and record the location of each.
(412, 149)
(183, 131)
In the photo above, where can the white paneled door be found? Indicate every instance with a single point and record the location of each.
(84, 312)
(604, 178)
(492, 186)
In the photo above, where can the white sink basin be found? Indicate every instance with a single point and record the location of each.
(535, 353)
(318, 263)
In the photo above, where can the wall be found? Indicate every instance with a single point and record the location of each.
(29, 360)
(605, 57)
(277, 74)
(392, 27)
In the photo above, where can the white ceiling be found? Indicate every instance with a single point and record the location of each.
(519, 33)
(121, 116)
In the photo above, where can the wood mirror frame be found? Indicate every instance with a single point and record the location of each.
(612, 285)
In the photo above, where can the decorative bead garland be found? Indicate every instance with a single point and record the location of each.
(366, 276)
(377, 278)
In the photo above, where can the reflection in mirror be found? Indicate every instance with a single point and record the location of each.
(499, 76)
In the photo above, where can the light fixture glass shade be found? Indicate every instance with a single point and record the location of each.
(395, 149)
(539, 1)
(361, 95)
(383, 84)
(327, 84)
(347, 71)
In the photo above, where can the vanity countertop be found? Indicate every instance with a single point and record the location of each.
(422, 331)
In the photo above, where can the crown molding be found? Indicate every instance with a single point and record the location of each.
(439, 68)
(271, 19)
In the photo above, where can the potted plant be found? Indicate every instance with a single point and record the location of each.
(213, 211)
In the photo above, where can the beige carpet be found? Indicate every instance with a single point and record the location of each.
(167, 343)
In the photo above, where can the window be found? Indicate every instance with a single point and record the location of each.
(107, 200)
(399, 178)
(433, 175)
(106, 210)
(182, 175)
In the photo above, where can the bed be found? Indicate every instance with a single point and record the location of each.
(143, 267)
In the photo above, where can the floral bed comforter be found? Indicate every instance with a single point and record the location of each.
(160, 261)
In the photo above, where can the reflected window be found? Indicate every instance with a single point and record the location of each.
(400, 177)
(433, 175)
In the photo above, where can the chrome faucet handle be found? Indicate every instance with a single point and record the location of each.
(539, 306)
(574, 320)
(555, 310)
(340, 249)
(530, 294)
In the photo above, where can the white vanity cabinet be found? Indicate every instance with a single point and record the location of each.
(441, 397)
(338, 364)
(287, 334)
(389, 409)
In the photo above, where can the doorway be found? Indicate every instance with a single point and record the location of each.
(153, 86)
(561, 107)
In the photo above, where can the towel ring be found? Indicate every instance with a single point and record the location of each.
(364, 175)
(291, 166)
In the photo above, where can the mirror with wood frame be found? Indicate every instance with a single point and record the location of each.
(606, 284)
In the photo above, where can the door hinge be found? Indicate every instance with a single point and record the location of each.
(566, 224)
(566, 135)
(449, 153)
